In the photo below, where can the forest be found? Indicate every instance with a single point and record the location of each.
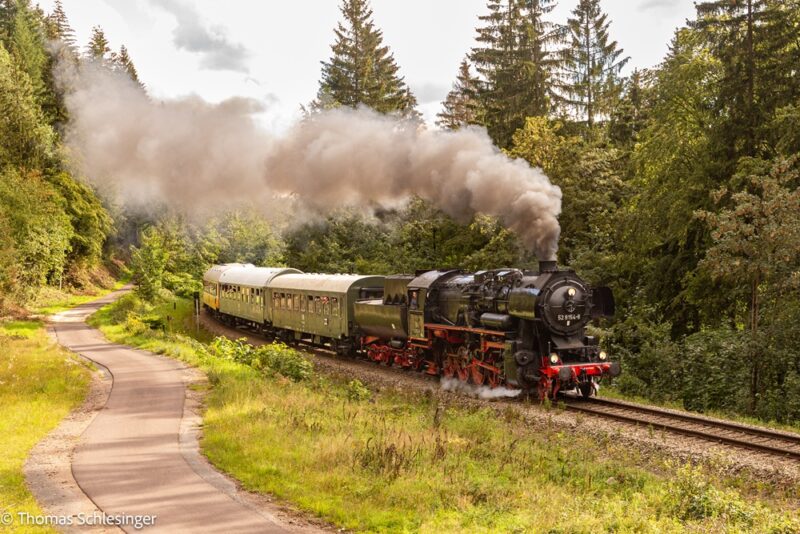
(681, 184)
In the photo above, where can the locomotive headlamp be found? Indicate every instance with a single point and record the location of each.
(554, 358)
(571, 292)
(603, 355)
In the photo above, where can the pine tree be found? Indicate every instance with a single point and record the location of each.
(25, 42)
(362, 70)
(98, 47)
(25, 138)
(516, 64)
(591, 63)
(125, 64)
(756, 41)
(58, 27)
(461, 106)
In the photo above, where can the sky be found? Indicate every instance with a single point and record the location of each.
(270, 50)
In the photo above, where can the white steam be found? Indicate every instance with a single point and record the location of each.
(203, 157)
(480, 392)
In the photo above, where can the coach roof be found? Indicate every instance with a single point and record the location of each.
(250, 276)
(213, 274)
(333, 283)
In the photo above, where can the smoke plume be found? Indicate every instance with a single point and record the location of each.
(201, 156)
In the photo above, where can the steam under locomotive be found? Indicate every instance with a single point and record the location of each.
(523, 329)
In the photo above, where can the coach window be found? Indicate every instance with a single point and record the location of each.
(317, 305)
(310, 300)
(303, 301)
(326, 306)
(335, 306)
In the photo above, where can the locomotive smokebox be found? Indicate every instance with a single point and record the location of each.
(548, 266)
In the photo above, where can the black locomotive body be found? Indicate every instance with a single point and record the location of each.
(524, 329)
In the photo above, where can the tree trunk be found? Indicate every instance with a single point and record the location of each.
(754, 355)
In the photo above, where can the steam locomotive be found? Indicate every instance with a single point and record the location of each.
(521, 329)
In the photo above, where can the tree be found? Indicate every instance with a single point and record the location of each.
(461, 106)
(125, 64)
(25, 42)
(629, 116)
(58, 27)
(98, 47)
(25, 138)
(756, 245)
(362, 70)
(149, 262)
(755, 41)
(39, 233)
(591, 63)
(516, 64)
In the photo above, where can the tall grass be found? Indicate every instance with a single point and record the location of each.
(39, 385)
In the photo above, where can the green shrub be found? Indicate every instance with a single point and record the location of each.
(273, 358)
(135, 325)
(283, 360)
(357, 391)
(693, 497)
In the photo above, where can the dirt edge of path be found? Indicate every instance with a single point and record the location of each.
(48, 467)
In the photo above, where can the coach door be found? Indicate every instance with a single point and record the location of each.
(416, 313)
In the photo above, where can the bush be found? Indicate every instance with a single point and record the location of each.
(357, 391)
(273, 358)
(284, 360)
(692, 497)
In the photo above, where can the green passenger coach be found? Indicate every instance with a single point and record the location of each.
(320, 306)
(243, 292)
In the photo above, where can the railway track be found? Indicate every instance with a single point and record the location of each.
(772, 442)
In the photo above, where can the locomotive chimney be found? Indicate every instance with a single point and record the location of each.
(548, 266)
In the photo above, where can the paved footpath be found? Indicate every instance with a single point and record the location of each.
(129, 459)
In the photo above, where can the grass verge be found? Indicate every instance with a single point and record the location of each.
(389, 461)
(52, 300)
(40, 384)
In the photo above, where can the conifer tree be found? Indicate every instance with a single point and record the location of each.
(516, 64)
(362, 70)
(756, 42)
(461, 106)
(98, 47)
(25, 42)
(125, 64)
(591, 62)
(58, 26)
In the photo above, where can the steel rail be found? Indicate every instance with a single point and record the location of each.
(692, 418)
(585, 407)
